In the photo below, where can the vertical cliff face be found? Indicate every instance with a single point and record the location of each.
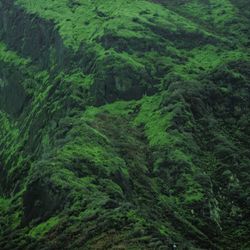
(124, 124)
(30, 36)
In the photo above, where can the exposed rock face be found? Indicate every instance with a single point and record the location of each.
(30, 36)
(12, 97)
(124, 124)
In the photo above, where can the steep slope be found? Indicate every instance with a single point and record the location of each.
(124, 124)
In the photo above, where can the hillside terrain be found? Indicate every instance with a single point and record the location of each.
(124, 124)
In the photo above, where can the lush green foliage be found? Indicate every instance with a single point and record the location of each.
(124, 124)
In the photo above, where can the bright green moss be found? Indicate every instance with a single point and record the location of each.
(207, 58)
(89, 20)
(43, 228)
(76, 79)
(222, 11)
(11, 57)
(27, 75)
(154, 120)
(123, 108)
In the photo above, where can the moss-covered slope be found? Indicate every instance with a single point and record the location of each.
(124, 124)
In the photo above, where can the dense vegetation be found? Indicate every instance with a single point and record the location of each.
(124, 124)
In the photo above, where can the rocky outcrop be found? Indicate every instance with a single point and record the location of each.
(31, 36)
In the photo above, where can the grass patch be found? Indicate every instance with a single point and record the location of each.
(43, 228)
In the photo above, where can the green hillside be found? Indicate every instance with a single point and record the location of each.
(124, 124)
